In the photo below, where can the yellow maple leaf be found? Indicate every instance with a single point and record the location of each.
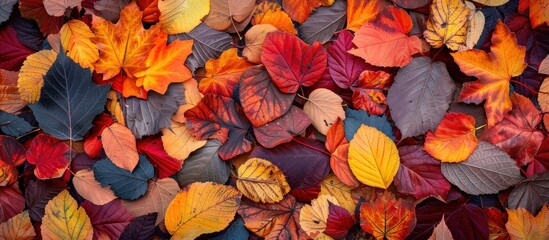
(447, 24)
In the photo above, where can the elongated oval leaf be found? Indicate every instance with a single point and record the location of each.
(120, 146)
(261, 181)
(65, 220)
(488, 170)
(69, 100)
(85, 184)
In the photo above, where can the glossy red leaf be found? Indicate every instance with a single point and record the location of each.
(540, 163)
(34, 9)
(517, 133)
(306, 194)
(261, 100)
(108, 220)
(51, 156)
(291, 62)
(218, 117)
(339, 221)
(11, 202)
(153, 148)
(38, 193)
(344, 67)
(12, 52)
(283, 129)
(12, 154)
(419, 174)
(92, 141)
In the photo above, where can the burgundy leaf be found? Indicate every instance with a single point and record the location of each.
(12, 52)
(110, 219)
(344, 67)
(38, 193)
(11, 202)
(339, 221)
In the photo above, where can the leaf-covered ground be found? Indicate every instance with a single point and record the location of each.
(274, 119)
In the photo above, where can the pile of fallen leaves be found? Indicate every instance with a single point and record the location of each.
(288, 119)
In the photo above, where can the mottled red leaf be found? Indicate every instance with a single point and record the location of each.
(496, 223)
(369, 95)
(261, 99)
(291, 62)
(12, 52)
(153, 148)
(218, 117)
(517, 133)
(11, 202)
(38, 193)
(339, 221)
(344, 67)
(92, 141)
(34, 9)
(419, 174)
(386, 217)
(51, 156)
(540, 163)
(283, 129)
(110, 219)
(12, 154)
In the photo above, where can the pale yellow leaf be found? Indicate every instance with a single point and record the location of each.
(447, 24)
(331, 185)
(313, 218)
(31, 76)
(63, 219)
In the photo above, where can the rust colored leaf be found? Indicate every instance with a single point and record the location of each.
(222, 74)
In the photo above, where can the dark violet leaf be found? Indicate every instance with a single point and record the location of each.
(339, 221)
(208, 43)
(531, 194)
(141, 228)
(69, 100)
(27, 31)
(236, 231)
(420, 96)
(419, 174)
(81, 161)
(355, 118)
(12, 125)
(324, 22)
(411, 4)
(538, 47)
(109, 219)
(38, 193)
(6, 7)
(11, 202)
(303, 161)
(12, 52)
(148, 117)
(204, 165)
(344, 67)
(126, 185)
(529, 78)
(540, 163)
(282, 129)
(153, 148)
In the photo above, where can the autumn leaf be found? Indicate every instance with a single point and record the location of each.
(447, 24)
(223, 74)
(332, 186)
(192, 97)
(324, 108)
(57, 8)
(201, 208)
(232, 15)
(18, 228)
(12, 154)
(339, 221)
(454, 139)
(344, 67)
(369, 95)
(271, 13)
(76, 42)
(119, 144)
(90, 189)
(151, 13)
(361, 11)
(496, 223)
(35, 9)
(65, 220)
(373, 157)
(386, 217)
(441, 232)
(261, 181)
(494, 71)
(179, 142)
(288, 69)
(10, 100)
(254, 38)
(177, 16)
(164, 164)
(31, 76)
(382, 36)
(338, 146)
(125, 184)
(523, 225)
(50, 156)
(299, 10)
(314, 217)
(283, 129)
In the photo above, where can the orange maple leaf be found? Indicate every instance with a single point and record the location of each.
(223, 74)
(494, 71)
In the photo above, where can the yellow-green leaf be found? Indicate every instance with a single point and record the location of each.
(447, 24)
(31, 76)
(177, 16)
(63, 219)
(18, 228)
(76, 42)
(262, 181)
(201, 208)
(373, 157)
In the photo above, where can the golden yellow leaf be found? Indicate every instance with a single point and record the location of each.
(179, 142)
(373, 157)
(76, 42)
(114, 107)
(331, 185)
(493, 3)
(178, 16)
(10, 99)
(271, 13)
(201, 208)
(324, 108)
(63, 219)
(192, 97)
(120, 146)
(447, 24)
(18, 228)
(313, 218)
(262, 181)
(522, 225)
(90, 189)
(31, 76)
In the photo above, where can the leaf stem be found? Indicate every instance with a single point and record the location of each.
(301, 96)
(439, 50)
(527, 87)
(29, 133)
(311, 147)
(479, 127)
(237, 46)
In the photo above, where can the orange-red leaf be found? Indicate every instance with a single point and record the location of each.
(222, 74)
(360, 12)
(378, 40)
(299, 10)
(494, 71)
(119, 144)
(454, 139)
(338, 145)
(369, 95)
(539, 13)
(10, 99)
(12, 154)
(51, 156)
(271, 13)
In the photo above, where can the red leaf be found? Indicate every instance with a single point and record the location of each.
(369, 94)
(12, 52)
(306, 194)
(283, 129)
(11, 202)
(338, 145)
(260, 98)
(496, 223)
(540, 163)
(150, 10)
(419, 174)
(51, 156)
(218, 117)
(12, 154)
(34, 9)
(153, 148)
(339, 222)
(517, 133)
(344, 67)
(110, 219)
(92, 142)
(291, 62)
